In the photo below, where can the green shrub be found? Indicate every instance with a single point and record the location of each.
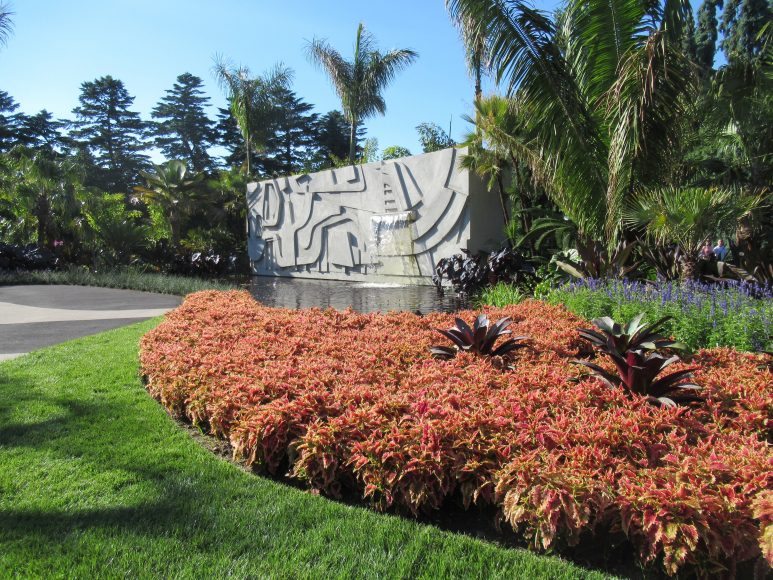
(128, 278)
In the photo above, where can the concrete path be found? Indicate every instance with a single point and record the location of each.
(32, 317)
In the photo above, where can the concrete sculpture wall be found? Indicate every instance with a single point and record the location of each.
(387, 221)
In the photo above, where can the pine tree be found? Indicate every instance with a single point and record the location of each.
(689, 45)
(230, 138)
(706, 35)
(113, 134)
(293, 134)
(41, 132)
(183, 130)
(742, 22)
(10, 121)
(332, 141)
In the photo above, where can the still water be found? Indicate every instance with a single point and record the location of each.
(362, 297)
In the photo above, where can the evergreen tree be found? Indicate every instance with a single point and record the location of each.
(689, 45)
(230, 138)
(183, 130)
(293, 135)
(706, 35)
(332, 140)
(41, 132)
(742, 22)
(113, 134)
(10, 121)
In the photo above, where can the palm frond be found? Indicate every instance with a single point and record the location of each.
(644, 106)
(687, 216)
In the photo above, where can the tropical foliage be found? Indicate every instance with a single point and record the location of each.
(250, 102)
(366, 410)
(479, 339)
(640, 122)
(635, 350)
(361, 81)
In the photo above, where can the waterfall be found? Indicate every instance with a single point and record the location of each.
(392, 242)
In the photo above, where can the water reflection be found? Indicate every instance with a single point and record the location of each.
(362, 297)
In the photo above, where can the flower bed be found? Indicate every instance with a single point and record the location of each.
(735, 314)
(344, 401)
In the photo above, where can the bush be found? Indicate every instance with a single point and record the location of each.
(469, 273)
(30, 257)
(353, 402)
(128, 277)
(733, 314)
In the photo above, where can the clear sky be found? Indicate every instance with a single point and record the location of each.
(58, 45)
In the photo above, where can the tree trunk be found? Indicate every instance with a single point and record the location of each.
(689, 266)
(247, 146)
(503, 200)
(353, 142)
(174, 226)
(41, 213)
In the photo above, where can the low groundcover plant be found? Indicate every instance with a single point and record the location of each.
(348, 402)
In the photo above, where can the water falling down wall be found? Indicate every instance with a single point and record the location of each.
(389, 221)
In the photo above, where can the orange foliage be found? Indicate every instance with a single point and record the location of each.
(352, 401)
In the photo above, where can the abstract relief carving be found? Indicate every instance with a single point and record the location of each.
(390, 220)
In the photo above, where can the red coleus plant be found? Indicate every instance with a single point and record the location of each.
(353, 403)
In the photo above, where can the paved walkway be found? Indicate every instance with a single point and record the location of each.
(32, 317)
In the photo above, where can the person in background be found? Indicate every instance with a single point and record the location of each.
(720, 250)
(706, 253)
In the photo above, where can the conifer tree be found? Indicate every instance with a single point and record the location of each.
(10, 121)
(706, 35)
(293, 135)
(41, 132)
(182, 128)
(112, 133)
(332, 140)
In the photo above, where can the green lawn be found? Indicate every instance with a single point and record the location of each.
(96, 480)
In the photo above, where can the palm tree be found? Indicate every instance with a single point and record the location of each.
(114, 230)
(360, 82)
(597, 96)
(46, 188)
(688, 216)
(250, 101)
(6, 26)
(174, 191)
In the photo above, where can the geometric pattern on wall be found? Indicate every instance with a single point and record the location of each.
(390, 220)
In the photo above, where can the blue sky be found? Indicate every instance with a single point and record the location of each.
(146, 43)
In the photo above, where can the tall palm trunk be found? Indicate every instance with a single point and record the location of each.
(247, 147)
(353, 142)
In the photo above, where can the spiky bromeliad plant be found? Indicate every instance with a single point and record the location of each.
(634, 350)
(480, 339)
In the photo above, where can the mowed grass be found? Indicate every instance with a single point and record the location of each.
(97, 481)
